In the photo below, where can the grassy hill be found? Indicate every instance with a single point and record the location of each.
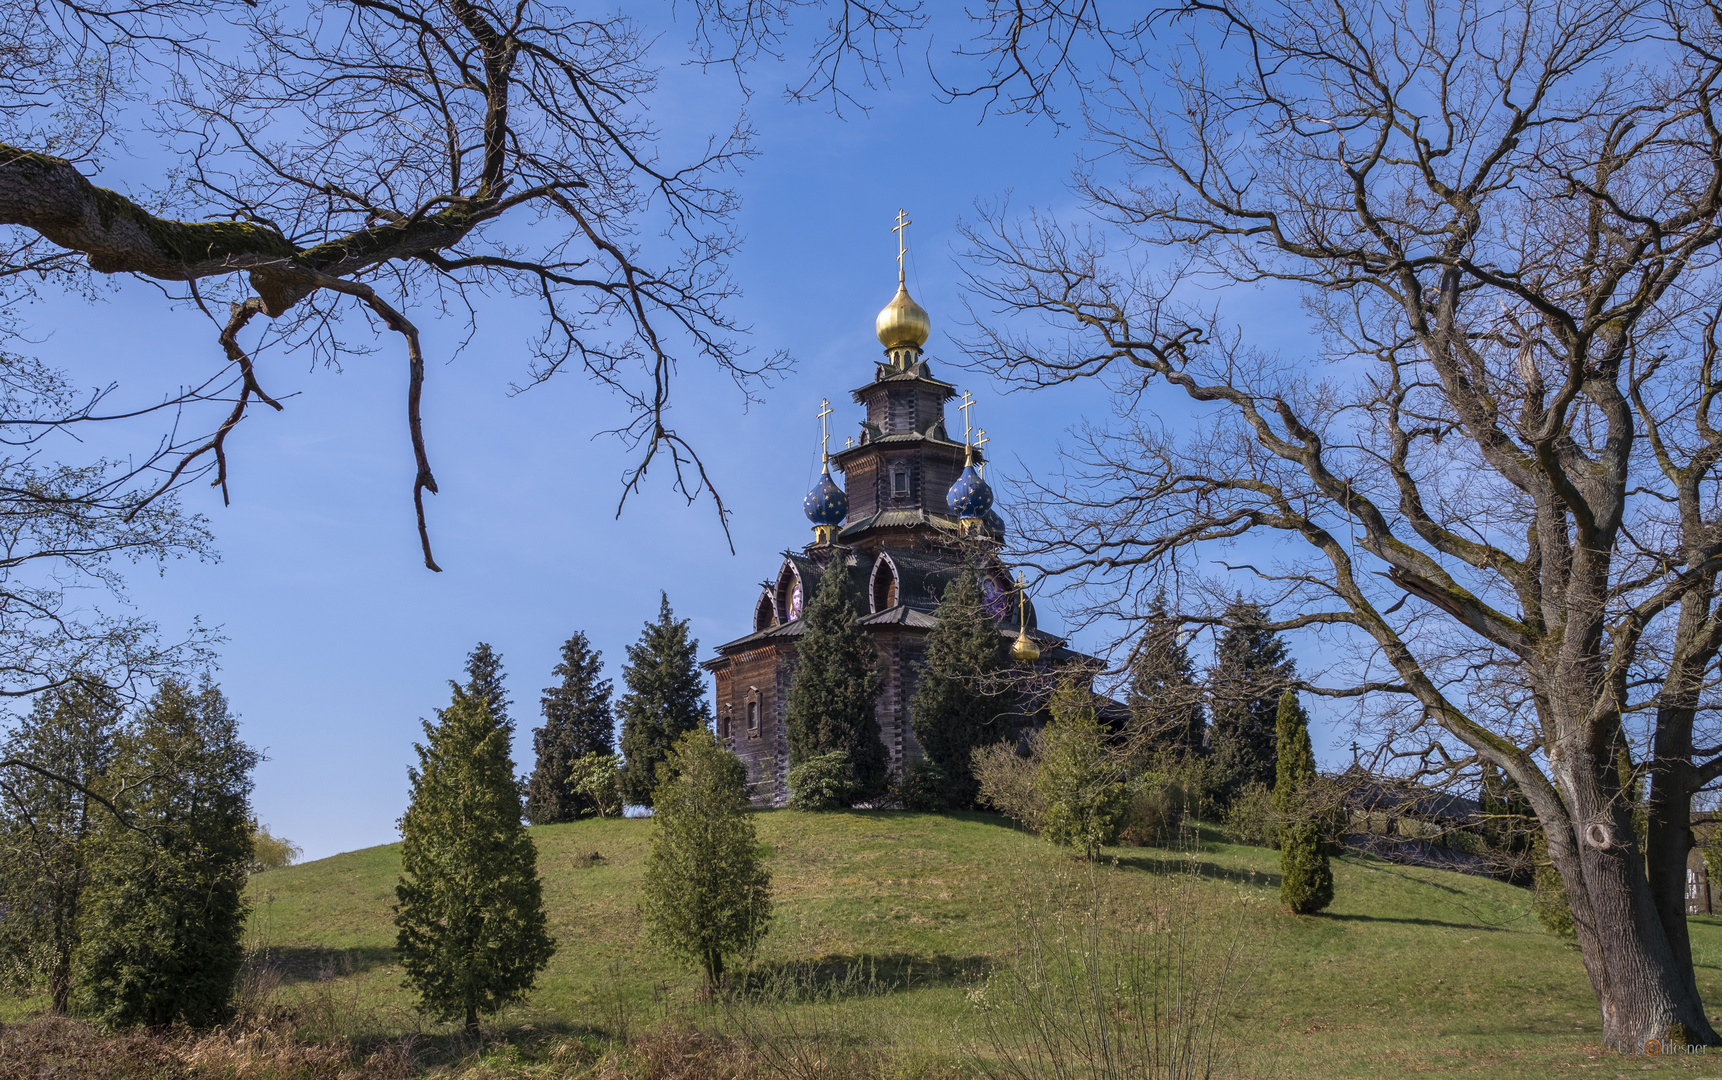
(1411, 970)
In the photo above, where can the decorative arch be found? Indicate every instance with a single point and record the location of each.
(764, 612)
(882, 584)
(789, 593)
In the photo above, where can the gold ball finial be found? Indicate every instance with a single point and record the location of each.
(903, 323)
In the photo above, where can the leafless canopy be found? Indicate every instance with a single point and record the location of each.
(365, 152)
(1495, 474)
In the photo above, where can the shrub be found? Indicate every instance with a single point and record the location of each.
(923, 787)
(1306, 876)
(825, 782)
(1549, 901)
(471, 930)
(1006, 780)
(1154, 812)
(271, 852)
(1250, 818)
(705, 894)
(165, 909)
(596, 780)
(1077, 779)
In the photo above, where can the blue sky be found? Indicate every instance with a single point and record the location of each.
(339, 641)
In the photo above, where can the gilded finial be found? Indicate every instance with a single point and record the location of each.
(1023, 650)
(980, 441)
(825, 410)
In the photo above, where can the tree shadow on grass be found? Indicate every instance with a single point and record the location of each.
(315, 963)
(843, 976)
(1484, 927)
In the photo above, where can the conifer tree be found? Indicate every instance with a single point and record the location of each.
(484, 678)
(469, 909)
(665, 699)
(1251, 669)
(835, 685)
(1082, 795)
(1166, 714)
(706, 894)
(46, 832)
(958, 695)
(165, 908)
(577, 722)
(1509, 827)
(1306, 877)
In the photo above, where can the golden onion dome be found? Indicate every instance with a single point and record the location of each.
(903, 322)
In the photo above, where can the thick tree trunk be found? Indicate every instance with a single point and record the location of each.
(1643, 988)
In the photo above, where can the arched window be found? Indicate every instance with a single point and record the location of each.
(884, 584)
(764, 614)
(789, 594)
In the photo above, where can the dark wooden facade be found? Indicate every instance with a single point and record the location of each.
(898, 548)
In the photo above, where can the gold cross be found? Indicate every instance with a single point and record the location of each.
(824, 431)
(902, 231)
(1022, 598)
(968, 448)
(980, 441)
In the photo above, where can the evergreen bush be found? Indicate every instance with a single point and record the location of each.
(1078, 779)
(1251, 666)
(706, 894)
(47, 833)
(578, 724)
(1306, 876)
(826, 782)
(472, 934)
(923, 787)
(960, 692)
(160, 936)
(835, 686)
(665, 699)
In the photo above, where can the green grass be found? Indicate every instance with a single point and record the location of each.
(1409, 971)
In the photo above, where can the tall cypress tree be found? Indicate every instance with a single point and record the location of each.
(665, 700)
(165, 908)
(1251, 669)
(46, 833)
(577, 722)
(484, 679)
(958, 695)
(1306, 877)
(1166, 713)
(835, 685)
(470, 911)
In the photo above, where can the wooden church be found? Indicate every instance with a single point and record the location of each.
(913, 505)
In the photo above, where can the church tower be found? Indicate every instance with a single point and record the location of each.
(912, 507)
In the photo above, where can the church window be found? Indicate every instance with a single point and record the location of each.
(723, 723)
(764, 615)
(753, 717)
(884, 584)
(900, 483)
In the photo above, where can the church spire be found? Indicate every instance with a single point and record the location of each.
(903, 326)
(827, 504)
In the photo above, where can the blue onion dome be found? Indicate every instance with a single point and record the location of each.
(826, 504)
(970, 497)
(994, 522)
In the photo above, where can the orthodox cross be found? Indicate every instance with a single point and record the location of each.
(824, 429)
(980, 441)
(968, 448)
(1022, 599)
(902, 231)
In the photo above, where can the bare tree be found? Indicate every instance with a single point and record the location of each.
(1500, 483)
(360, 152)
